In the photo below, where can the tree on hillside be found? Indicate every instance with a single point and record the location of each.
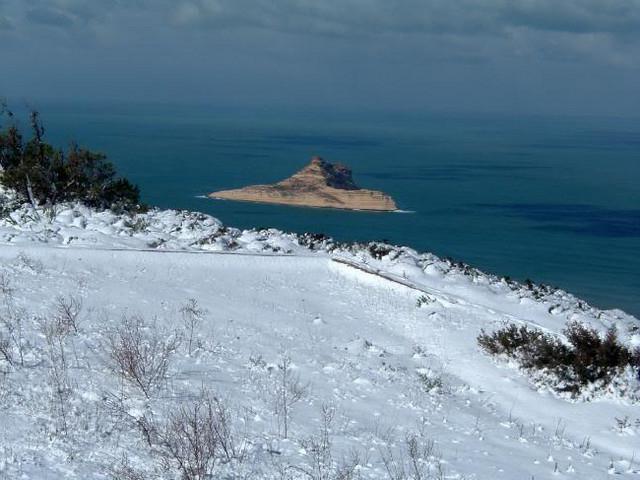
(44, 175)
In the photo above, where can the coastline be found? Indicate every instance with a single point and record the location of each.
(163, 230)
(529, 231)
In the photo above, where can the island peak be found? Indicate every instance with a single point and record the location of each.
(319, 184)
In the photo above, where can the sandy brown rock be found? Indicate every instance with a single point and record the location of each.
(319, 184)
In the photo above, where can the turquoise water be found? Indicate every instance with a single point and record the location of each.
(547, 198)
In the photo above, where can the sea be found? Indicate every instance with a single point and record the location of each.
(554, 199)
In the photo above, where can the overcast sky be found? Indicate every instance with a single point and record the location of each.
(557, 56)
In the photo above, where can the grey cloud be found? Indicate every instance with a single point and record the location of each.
(341, 17)
(414, 16)
(358, 17)
(50, 17)
(558, 55)
(556, 30)
(574, 16)
(87, 10)
(67, 13)
(5, 23)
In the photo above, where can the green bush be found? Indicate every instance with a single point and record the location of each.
(586, 358)
(44, 175)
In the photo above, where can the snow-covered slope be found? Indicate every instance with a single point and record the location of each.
(347, 317)
(171, 230)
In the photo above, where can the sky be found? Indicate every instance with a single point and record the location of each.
(515, 56)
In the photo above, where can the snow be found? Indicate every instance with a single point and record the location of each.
(350, 322)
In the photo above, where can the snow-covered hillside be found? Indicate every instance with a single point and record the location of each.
(73, 225)
(383, 339)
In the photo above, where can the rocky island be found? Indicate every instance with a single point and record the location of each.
(319, 184)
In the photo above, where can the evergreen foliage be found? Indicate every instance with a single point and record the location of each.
(586, 358)
(44, 175)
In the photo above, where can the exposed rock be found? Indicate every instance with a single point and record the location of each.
(319, 184)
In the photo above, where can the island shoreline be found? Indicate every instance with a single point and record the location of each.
(298, 205)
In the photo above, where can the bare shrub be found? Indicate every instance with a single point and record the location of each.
(5, 285)
(33, 264)
(199, 437)
(118, 410)
(415, 459)
(192, 316)
(12, 339)
(54, 335)
(125, 471)
(61, 391)
(58, 377)
(141, 353)
(5, 388)
(68, 312)
(321, 464)
(288, 390)
(6, 349)
(232, 442)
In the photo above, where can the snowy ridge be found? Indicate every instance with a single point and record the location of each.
(77, 225)
(383, 335)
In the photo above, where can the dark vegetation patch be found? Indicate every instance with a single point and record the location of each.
(44, 175)
(320, 241)
(585, 358)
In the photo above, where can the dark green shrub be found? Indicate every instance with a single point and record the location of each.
(595, 358)
(42, 174)
(379, 250)
(314, 241)
(586, 358)
(508, 340)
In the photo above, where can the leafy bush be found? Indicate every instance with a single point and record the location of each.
(586, 358)
(42, 174)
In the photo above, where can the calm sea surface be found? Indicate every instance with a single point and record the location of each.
(553, 199)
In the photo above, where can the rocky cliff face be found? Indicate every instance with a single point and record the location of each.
(319, 184)
(320, 174)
